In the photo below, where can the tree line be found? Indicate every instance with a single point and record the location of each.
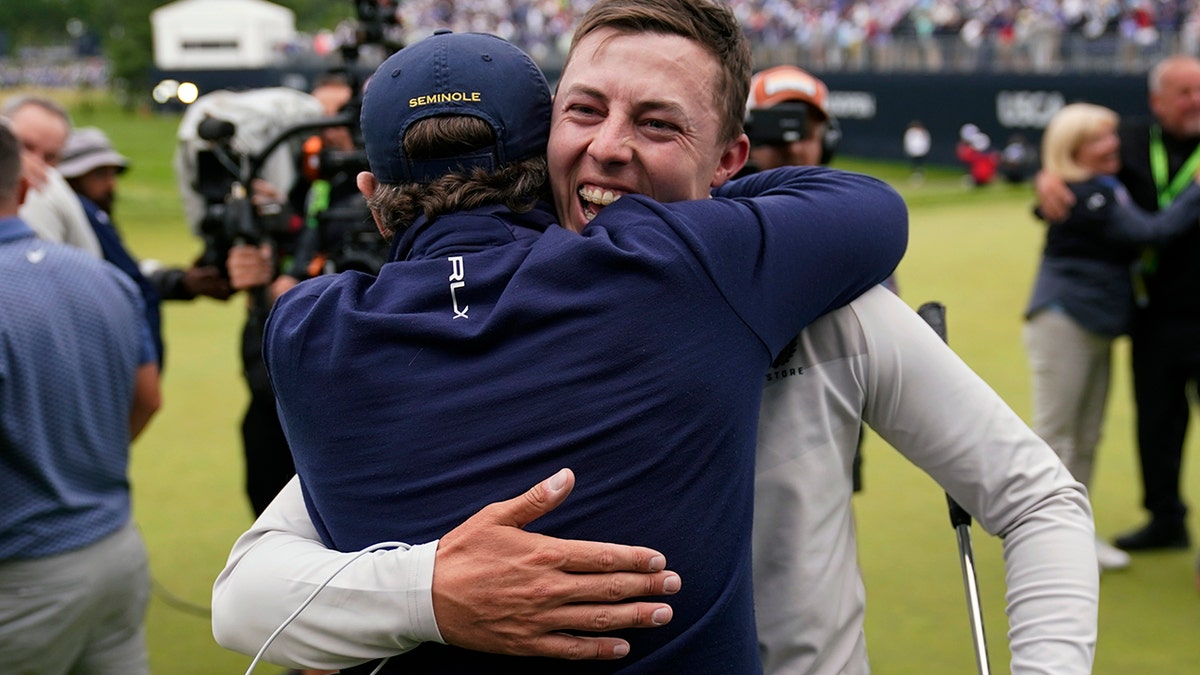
(121, 31)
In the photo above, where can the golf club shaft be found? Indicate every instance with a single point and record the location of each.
(934, 314)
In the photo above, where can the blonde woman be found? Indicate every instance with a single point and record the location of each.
(1083, 297)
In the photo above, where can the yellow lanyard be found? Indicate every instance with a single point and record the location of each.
(1168, 191)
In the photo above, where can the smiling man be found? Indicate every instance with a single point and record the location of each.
(632, 116)
(78, 384)
(488, 585)
(571, 353)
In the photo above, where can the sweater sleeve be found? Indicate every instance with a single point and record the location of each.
(1124, 222)
(168, 281)
(928, 404)
(818, 238)
(377, 605)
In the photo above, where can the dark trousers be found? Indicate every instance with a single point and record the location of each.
(1166, 363)
(268, 459)
(269, 463)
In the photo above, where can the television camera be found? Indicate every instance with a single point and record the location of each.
(339, 233)
(788, 122)
(376, 24)
(237, 137)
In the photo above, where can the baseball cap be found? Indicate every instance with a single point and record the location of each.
(781, 84)
(473, 74)
(88, 148)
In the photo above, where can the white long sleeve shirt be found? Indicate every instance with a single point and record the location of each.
(874, 360)
(55, 213)
(877, 361)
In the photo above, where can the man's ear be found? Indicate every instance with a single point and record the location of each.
(732, 160)
(366, 185)
(22, 190)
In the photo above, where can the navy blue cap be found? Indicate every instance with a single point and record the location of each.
(455, 74)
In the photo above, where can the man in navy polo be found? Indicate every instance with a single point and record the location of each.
(78, 381)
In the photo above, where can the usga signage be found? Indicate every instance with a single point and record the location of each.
(1027, 109)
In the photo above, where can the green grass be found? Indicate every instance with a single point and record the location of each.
(973, 249)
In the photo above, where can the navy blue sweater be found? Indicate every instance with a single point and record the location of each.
(501, 348)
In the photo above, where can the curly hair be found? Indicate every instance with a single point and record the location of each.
(517, 185)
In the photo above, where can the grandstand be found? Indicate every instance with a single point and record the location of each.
(1006, 65)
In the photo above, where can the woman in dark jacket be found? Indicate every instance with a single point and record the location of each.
(1084, 296)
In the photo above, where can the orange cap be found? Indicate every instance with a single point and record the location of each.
(780, 84)
(312, 157)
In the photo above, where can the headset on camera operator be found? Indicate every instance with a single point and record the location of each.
(788, 120)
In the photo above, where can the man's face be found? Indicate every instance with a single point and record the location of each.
(40, 132)
(1177, 103)
(636, 114)
(804, 152)
(98, 185)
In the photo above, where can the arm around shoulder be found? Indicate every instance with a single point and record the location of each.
(816, 237)
(497, 588)
(1054, 198)
(377, 606)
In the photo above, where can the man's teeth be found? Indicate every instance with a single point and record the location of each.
(598, 196)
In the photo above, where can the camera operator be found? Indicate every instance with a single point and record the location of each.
(274, 267)
(788, 120)
(789, 123)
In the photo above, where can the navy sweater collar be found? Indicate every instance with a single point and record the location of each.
(467, 231)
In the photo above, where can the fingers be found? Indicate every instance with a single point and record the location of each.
(565, 554)
(592, 556)
(575, 648)
(604, 618)
(536, 502)
(281, 285)
(595, 619)
(249, 266)
(618, 586)
(263, 191)
(565, 590)
(498, 588)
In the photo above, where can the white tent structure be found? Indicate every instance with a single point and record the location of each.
(219, 34)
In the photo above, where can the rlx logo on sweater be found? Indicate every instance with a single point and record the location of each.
(456, 282)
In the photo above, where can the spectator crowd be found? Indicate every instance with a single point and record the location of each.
(53, 67)
(920, 35)
(1040, 36)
